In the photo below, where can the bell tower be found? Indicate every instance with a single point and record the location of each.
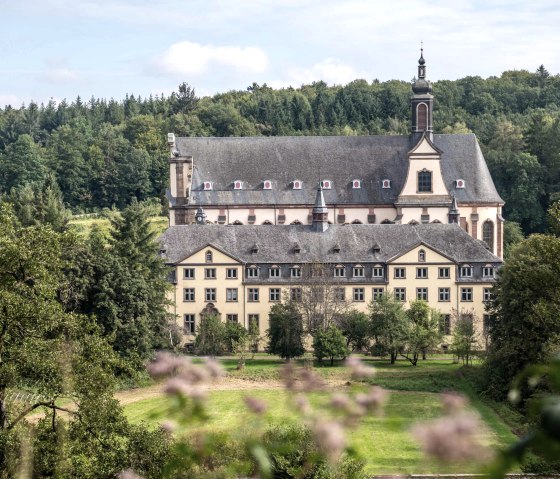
(422, 102)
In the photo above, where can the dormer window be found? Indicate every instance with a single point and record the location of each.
(358, 271)
(254, 249)
(386, 184)
(267, 185)
(296, 249)
(208, 185)
(459, 183)
(295, 271)
(296, 185)
(377, 271)
(488, 271)
(466, 271)
(424, 181)
(252, 271)
(326, 184)
(421, 256)
(356, 184)
(237, 185)
(376, 248)
(336, 248)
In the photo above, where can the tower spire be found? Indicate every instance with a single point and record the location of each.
(320, 212)
(453, 214)
(421, 102)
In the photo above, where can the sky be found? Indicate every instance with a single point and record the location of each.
(60, 49)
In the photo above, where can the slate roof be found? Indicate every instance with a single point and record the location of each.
(337, 158)
(276, 243)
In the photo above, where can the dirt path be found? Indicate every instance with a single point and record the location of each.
(227, 383)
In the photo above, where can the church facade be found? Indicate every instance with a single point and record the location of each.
(413, 179)
(332, 221)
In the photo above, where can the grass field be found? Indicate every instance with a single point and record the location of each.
(384, 441)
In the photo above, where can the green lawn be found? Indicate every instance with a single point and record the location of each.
(384, 441)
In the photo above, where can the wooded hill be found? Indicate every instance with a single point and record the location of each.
(104, 153)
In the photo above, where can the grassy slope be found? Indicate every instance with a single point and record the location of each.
(384, 441)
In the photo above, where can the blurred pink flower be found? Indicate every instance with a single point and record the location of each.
(330, 439)
(256, 405)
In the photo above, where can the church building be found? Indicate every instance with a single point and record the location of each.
(336, 221)
(408, 179)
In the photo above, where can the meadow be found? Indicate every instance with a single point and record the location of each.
(384, 440)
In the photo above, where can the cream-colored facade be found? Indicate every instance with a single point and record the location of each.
(212, 281)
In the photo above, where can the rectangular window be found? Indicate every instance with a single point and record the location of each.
(295, 272)
(253, 295)
(422, 273)
(274, 295)
(444, 273)
(188, 294)
(358, 294)
(467, 317)
(486, 294)
(209, 273)
(465, 271)
(422, 294)
(487, 321)
(210, 294)
(400, 294)
(231, 294)
(317, 294)
(189, 323)
(232, 318)
(295, 294)
(339, 294)
(274, 272)
(424, 182)
(400, 273)
(253, 319)
(377, 293)
(444, 294)
(445, 324)
(466, 294)
(252, 272)
(231, 273)
(339, 272)
(358, 271)
(188, 273)
(488, 271)
(377, 272)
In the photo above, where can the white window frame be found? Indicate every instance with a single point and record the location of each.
(358, 271)
(253, 295)
(422, 292)
(210, 273)
(295, 272)
(252, 272)
(358, 295)
(442, 275)
(444, 295)
(466, 295)
(377, 272)
(191, 274)
(191, 292)
(274, 272)
(397, 273)
(466, 271)
(232, 295)
(400, 294)
(422, 272)
(274, 295)
(231, 273)
(488, 272)
(210, 295)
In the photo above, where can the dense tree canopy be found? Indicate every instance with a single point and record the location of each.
(107, 152)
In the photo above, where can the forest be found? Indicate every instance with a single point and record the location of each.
(105, 153)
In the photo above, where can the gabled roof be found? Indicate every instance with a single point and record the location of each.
(340, 158)
(276, 244)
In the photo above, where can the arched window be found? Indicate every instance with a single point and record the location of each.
(421, 256)
(422, 117)
(424, 181)
(357, 222)
(488, 234)
(413, 222)
(296, 222)
(266, 222)
(436, 221)
(237, 222)
(209, 256)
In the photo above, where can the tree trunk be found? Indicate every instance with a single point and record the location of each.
(415, 359)
(393, 357)
(332, 360)
(424, 354)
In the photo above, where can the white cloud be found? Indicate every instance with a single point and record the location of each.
(331, 70)
(189, 58)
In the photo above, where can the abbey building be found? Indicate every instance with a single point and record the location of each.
(256, 220)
